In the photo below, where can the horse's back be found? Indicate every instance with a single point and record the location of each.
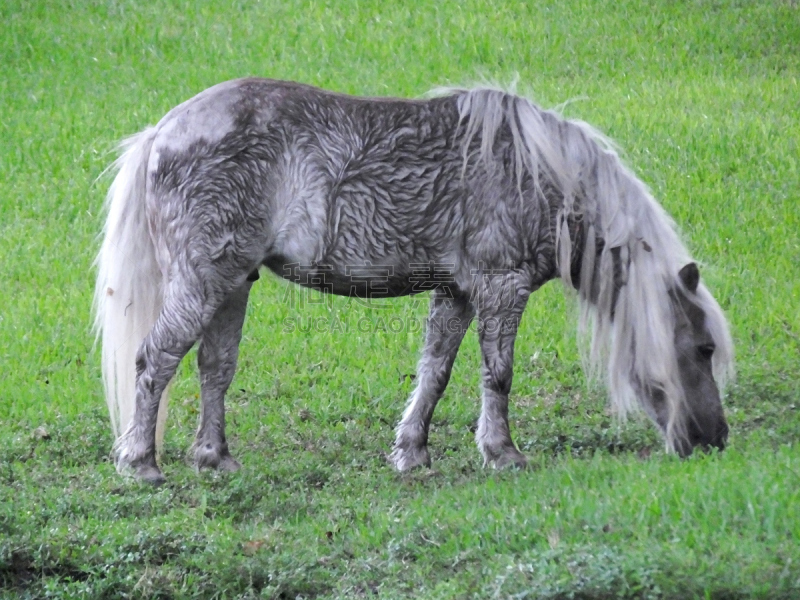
(288, 174)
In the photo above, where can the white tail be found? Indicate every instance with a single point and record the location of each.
(128, 295)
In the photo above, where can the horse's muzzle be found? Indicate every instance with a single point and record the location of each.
(698, 438)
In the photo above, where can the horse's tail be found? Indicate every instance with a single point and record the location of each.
(128, 294)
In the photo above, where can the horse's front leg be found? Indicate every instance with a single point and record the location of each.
(499, 312)
(448, 321)
(216, 359)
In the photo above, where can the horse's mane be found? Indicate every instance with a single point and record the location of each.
(630, 339)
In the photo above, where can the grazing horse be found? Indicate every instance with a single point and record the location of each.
(316, 185)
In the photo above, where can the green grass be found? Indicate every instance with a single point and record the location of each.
(703, 97)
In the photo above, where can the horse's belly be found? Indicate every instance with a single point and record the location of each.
(359, 280)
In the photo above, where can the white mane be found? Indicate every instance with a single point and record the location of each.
(637, 345)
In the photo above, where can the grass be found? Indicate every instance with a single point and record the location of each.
(702, 95)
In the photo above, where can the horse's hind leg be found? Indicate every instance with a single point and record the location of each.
(216, 359)
(179, 325)
(499, 313)
(447, 323)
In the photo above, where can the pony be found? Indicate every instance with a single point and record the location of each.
(318, 187)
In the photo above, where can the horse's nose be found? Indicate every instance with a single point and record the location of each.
(710, 438)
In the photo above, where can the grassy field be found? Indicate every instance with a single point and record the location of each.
(704, 98)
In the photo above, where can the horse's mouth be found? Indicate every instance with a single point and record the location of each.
(717, 441)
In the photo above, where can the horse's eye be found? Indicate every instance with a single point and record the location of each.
(706, 350)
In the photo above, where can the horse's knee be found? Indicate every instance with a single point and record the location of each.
(497, 377)
(499, 384)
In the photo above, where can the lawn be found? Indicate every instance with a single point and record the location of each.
(704, 99)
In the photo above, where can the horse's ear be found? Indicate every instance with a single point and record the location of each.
(690, 276)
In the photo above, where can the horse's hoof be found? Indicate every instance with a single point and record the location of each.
(499, 451)
(208, 457)
(229, 464)
(405, 459)
(149, 474)
(510, 459)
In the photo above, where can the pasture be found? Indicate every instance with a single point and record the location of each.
(702, 98)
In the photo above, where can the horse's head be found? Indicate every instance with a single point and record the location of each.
(699, 420)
